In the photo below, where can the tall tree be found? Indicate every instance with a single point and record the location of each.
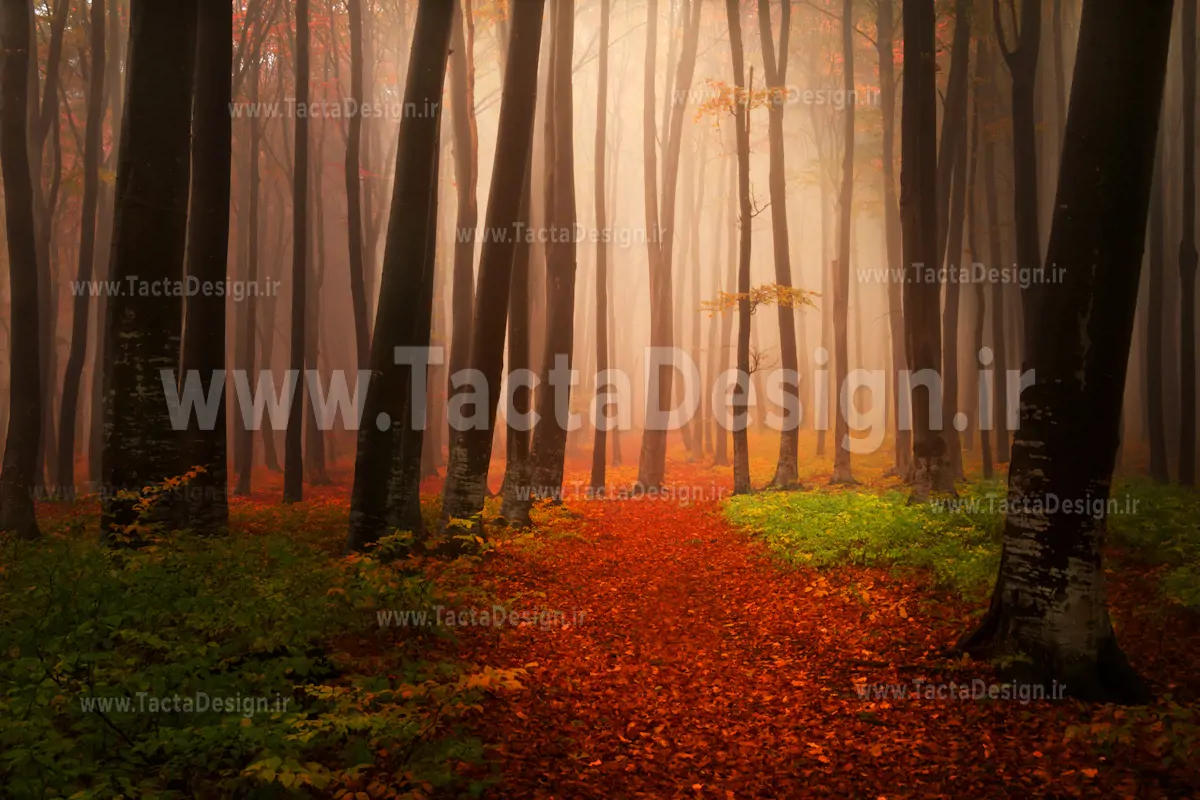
(354, 212)
(775, 73)
(741, 125)
(1188, 257)
(1022, 61)
(17, 479)
(1050, 603)
(407, 281)
(885, 36)
(841, 277)
(207, 258)
(918, 209)
(599, 449)
(293, 457)
(660, 223)
(466, 177)
(150, 228)
(471, 450)
(554, 402)
(92, 151)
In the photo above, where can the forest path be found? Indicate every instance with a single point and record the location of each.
(699, 668)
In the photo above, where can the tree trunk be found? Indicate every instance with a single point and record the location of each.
(354, 213)
(245, 466)
(741, 126)
(293, 456)
(841, 276)
(1159, 468)
(1188, 257)
(406, 283)
(141, 448)
(466, 178)
(17, 479)
(471, 450)
(93, 144)
(207, 260)
(775, 72)
(554, 401)
(599, 442)
(1050, 600)
(660, 229)
(891, 215)
(1022, 65)
(918, 208)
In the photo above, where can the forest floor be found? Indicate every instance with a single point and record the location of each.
(678, 658)
(782, 644)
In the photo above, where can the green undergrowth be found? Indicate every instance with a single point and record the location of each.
(958, 540)
(114, 660)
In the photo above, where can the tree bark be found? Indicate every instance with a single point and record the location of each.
(841, 278)
(1050, 600)
(354, 213)
(741, 125)
(600, 440)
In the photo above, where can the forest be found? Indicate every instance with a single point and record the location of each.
(598, 399)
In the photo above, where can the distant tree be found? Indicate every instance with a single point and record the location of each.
(1156, 265)
(406, 290)
(17, 479)
(150, 228)
(1049, 615)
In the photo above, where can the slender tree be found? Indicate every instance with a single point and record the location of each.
(293, 457)
(141, 446)
(741, 125)
(1050, 603)
(92, 150)
(841, 277)
(17, 479)
(775, 72)
(1156, 265)
(599, 449)
(354, 213)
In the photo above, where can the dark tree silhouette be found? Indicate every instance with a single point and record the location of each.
(207, 258)
(599, 441)
(150, 228)
(841, 267)
(17, 480)
(918, 210)
(293, 456)
(1049, 603)
(354, 213)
